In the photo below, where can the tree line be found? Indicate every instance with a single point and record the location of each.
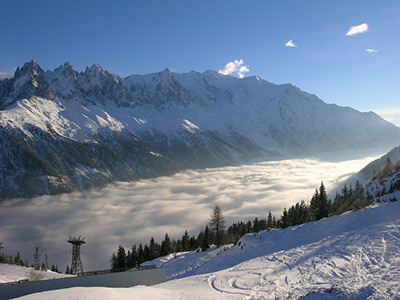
(212, 234)
(19, 261)
(216, 233)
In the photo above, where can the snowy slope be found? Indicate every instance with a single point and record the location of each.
(351, 256)
(65, 130)
(11, 273)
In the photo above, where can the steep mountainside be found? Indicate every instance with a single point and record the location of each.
(377, 173)
(65, 130)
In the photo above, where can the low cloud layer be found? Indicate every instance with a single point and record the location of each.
(353, 30)
(127, 213)
(235, 67)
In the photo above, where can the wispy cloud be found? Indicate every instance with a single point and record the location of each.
(131, 212)
(372, 50)
(353, 30)
(235, 66)
(290, 44)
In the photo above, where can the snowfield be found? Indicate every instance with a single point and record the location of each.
(351, 256)
(11, 273)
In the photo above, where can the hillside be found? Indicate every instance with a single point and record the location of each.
(11, 273)
(65, 130)
(351, 256)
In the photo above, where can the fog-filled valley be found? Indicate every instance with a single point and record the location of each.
(130, 213)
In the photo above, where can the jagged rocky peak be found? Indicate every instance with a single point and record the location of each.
(28, 81)
(165, 77)
(94, 69)
(31, 70)
(66, 69)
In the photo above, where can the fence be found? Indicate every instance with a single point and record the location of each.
(142, 276)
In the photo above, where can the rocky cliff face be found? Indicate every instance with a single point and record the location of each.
(65, 130)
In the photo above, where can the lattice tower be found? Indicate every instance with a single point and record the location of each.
(76, 265)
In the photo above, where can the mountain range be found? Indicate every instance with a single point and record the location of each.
(65, 130)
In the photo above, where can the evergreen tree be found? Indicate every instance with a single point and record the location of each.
(314, 206)
(217, 225)
(388, 170)
(140, 255)
(269, 220)
(285, 219)
(18, 260)
(324, 207)
(166, 247)
(205, 243)
(185, 242)
(193, 243)
(146, 253)
(153, 249)
(133, 259)
(121, 258)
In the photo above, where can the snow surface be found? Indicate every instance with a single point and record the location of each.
(351, 256)
(11, 273)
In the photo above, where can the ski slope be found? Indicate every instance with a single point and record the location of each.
(10, 273)
(351, 256)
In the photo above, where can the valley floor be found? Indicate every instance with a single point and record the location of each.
(351, 256)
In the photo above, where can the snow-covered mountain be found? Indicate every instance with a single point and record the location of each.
(65, 130)
(380, 176)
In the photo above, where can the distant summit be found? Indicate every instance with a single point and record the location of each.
(65, 130)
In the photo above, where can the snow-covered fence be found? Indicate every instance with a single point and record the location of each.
(128, 278)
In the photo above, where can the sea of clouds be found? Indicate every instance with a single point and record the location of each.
(129, 213)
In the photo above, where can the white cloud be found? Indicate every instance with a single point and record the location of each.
(290, 44)
(371, 50)
(353, 30)
(129, 213)
(235, 66)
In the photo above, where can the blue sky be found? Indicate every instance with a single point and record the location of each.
(139, 37)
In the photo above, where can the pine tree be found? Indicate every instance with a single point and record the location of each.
(320, 205)
(166, 247)
(256, 225)
(314, 206)
(269, 220)
(205, 243)
(388, 170)
(121, 258)
(185, 242)
(217, 225)
(133, 259)
(324, 208)
(153, 248)
(140, 255)
(285, 219)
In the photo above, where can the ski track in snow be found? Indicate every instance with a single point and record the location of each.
(319, 266)
(358, 263)
(357, 259)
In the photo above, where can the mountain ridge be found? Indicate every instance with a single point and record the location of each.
(156, 124)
